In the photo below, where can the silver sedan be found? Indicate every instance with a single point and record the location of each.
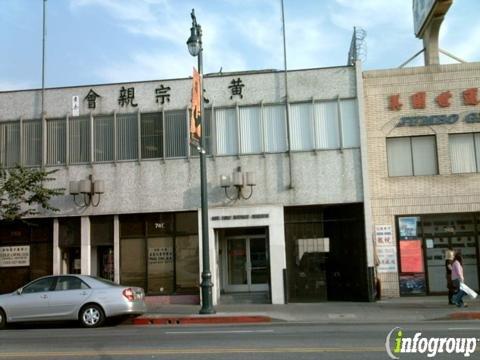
(71, 297)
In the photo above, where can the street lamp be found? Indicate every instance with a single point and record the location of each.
(194, 43)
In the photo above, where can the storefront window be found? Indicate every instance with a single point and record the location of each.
(26, 252)
(159, 252)
(132, 225)
(186, 266)
(101, 232)
(132, 262)
(160, 265)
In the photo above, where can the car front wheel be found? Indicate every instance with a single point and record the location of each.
(92, 316)
(3, 319)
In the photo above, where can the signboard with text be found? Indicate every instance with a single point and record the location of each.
(12, 256)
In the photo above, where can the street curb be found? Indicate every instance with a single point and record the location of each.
(471, 315)
(193, 320)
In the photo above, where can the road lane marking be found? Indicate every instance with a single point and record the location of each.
(464, 328)
(180, 351)
(219, 332)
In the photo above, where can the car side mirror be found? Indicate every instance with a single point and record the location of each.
(19, 291)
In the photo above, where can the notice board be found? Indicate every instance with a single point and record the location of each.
(411, 256)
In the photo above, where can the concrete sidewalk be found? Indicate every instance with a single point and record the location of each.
(398, 310)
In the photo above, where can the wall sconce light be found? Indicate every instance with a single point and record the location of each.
(238, 183)
(88, 188)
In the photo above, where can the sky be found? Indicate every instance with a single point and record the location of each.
(109, 41)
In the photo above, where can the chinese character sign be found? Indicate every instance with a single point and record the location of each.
(162, 95)
(127, 97)
(383, 235)
(75, 105)
(92, 99)
(195, 126)
(236, 88)
(443, 99)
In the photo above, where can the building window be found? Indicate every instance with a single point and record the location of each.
(103, 137)
(176, 133)
(275, 138)
(56, 141)
(79, 139)
(465, 152)
(127, 136)
(326, 125)
(151, 135)
(409, 156)
(301, 131)
(226, 131)
(250, 127)
(32, 142)
(9, 144)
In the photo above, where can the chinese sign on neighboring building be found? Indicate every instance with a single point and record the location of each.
(385, 249)
(383, 235)
(11, 256)
(419, 99)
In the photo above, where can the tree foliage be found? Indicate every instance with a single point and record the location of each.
(23, 192)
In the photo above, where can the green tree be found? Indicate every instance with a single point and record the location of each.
(23, 192)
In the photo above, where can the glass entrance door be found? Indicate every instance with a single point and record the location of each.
(246, 264)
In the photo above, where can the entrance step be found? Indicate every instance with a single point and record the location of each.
(260, 297)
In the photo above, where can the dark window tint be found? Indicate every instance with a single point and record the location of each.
(70, 283)
(41, 285)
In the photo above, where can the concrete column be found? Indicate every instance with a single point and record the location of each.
(57, 253)
(278, 258)
(116, 249)
(86, 248)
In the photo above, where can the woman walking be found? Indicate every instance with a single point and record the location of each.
(449, 256)
(457, 279)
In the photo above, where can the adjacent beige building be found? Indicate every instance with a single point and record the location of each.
(422, 183)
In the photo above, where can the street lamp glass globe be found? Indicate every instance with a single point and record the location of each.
(193, 46)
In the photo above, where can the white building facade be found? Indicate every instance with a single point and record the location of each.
(297, 235)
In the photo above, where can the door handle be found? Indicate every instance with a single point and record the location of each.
(43, 296)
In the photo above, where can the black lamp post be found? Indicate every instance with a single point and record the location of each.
(194, 43)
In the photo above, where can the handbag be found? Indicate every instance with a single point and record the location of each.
(468, 291)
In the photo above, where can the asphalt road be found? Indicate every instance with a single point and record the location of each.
(267, 341)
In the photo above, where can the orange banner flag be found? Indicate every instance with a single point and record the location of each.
(195, 129)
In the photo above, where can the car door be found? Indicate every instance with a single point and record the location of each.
(32, 301)
(69, 295)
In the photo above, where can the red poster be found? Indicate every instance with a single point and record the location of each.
(411, 257)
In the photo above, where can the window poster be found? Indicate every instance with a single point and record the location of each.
(411, 284)
(408, 227)
(411, 256)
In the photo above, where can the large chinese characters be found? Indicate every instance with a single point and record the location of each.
(444, 99)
